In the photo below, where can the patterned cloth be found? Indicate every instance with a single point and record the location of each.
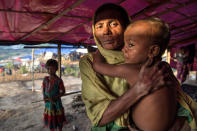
(54, 112)
(190, 90)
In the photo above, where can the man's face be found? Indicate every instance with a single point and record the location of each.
(109, 29)
(137, 44)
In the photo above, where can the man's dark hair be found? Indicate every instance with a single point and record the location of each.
(111, 6)
(51, 62)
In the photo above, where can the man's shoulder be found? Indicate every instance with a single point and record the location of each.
(86, 57)
(86, 60)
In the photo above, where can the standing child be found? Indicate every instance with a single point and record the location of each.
(145, 42)
(53, 89)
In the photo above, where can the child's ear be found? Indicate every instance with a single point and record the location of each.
(153, 51)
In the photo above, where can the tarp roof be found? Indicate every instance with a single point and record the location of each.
(69, 21)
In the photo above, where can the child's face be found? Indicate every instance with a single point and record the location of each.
(137, 43)
(51, 70)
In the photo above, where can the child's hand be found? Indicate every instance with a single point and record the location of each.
(45, 99)
(55, 98)
(97, 59)
(51, 99)
(48, 99)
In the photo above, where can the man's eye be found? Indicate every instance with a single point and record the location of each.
(113, 24)
(98, 26)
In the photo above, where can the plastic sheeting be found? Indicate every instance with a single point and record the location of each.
(25, 21)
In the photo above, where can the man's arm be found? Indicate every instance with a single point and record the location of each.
(122, 70)
(104, 110)
(122, 104)
(178, 124)
(149, 78)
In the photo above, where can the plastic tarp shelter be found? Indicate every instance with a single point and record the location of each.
(68, 22)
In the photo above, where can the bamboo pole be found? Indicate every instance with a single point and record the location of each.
(42, 13)
(59, 59)
(52, 20)
(51, 47)
(8, 42)
(33, 83)
(66, 94)
(168, 56)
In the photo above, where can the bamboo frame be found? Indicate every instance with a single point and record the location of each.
(175, 8)
(178, 27)
(41, 13)
(194, 37)
(50, 47)
(182, 19)
(52, 20)
(4, 42)
(141, 12)
(149, 8)
(62, 34)
(185, 31)
(188, 17)
(59, 60)
(66, 94)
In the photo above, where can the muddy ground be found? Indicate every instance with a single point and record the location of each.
(19, 113)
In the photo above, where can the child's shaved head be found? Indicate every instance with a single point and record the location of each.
(158, 34)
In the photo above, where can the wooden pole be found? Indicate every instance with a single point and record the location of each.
(66, 94)
(168, 56)
(33, 84)
(59, 60)
(55, 18)
(42, 13)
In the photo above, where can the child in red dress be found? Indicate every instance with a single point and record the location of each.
(53, 89)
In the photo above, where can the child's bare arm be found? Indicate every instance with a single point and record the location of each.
(45, 98)
(61, 91)
(122, 70)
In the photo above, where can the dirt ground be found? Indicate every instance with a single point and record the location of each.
(19, 113)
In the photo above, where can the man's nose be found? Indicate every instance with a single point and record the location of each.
(107, 30)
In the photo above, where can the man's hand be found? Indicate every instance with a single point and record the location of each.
(132, 129)
(178, 124)
(156, 76)
(150, 77)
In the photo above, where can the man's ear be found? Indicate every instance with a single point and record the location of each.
(153, 51)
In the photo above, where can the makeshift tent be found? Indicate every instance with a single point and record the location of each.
(69, 21)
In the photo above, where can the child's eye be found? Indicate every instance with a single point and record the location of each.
(130, 45)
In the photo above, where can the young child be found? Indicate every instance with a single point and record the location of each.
(145, 41)
(53, 89)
